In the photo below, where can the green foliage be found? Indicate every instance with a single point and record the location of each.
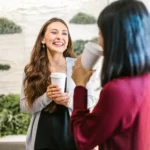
(82, 18)
(9, 27)
(4, 67)
(12, 120)
(95, 40)
(78, 45)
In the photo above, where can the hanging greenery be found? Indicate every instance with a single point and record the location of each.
(82, 18)
(4, 67)
(9, 27)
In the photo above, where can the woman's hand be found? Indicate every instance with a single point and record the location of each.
(64, 99)
(79, 74)
(55, 94)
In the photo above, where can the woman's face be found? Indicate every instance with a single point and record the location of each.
(56, 37)
(100, 40)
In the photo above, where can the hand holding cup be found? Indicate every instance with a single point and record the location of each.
(55, 93)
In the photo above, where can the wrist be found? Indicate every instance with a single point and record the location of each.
(81, 84)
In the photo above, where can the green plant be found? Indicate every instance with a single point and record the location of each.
(12, 120)
(95, 40)
(82, 18)
(9, 27)
(4, 67)
(78, 46)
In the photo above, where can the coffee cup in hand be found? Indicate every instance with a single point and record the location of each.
(91, 54)
(59, 79)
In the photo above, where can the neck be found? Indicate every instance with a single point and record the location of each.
(57, 62)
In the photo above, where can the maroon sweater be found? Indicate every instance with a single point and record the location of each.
(119, 121)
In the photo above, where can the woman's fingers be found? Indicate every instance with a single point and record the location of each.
(55, 94)
(53, 91)
(53, 88)
(64, 98)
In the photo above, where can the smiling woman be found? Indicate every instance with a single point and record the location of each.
(56, 37)
(46, 101)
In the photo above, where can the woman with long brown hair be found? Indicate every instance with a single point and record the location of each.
(50, 107)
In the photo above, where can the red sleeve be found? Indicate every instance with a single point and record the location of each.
(82, 95)
(92, 129)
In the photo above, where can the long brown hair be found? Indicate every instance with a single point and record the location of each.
(37, 73)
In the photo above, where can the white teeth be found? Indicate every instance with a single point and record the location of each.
(58, 43)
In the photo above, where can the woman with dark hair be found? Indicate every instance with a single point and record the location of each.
(121, 118)
(49, 126)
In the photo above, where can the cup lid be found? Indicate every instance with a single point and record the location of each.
(93, 48)
(57, 75)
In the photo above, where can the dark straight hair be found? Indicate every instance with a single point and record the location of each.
(125, 27)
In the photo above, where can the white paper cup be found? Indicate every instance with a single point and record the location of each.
(90, 55)
(58, 79)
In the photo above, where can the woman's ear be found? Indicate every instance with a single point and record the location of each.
(43, 41)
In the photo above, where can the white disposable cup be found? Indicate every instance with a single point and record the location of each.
(58, 79)
(90, 55)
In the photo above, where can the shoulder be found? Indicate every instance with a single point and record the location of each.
(117, 89)
(116, 84)
(126, 84)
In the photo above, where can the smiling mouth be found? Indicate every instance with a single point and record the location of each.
(58, 44)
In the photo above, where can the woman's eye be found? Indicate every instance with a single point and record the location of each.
(65, 33)
(53, 32)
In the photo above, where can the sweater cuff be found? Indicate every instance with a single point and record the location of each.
(80, 98)
(46, 100)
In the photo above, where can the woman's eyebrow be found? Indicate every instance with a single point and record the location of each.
(62, 30)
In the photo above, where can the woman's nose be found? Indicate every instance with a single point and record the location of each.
(59, 36)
